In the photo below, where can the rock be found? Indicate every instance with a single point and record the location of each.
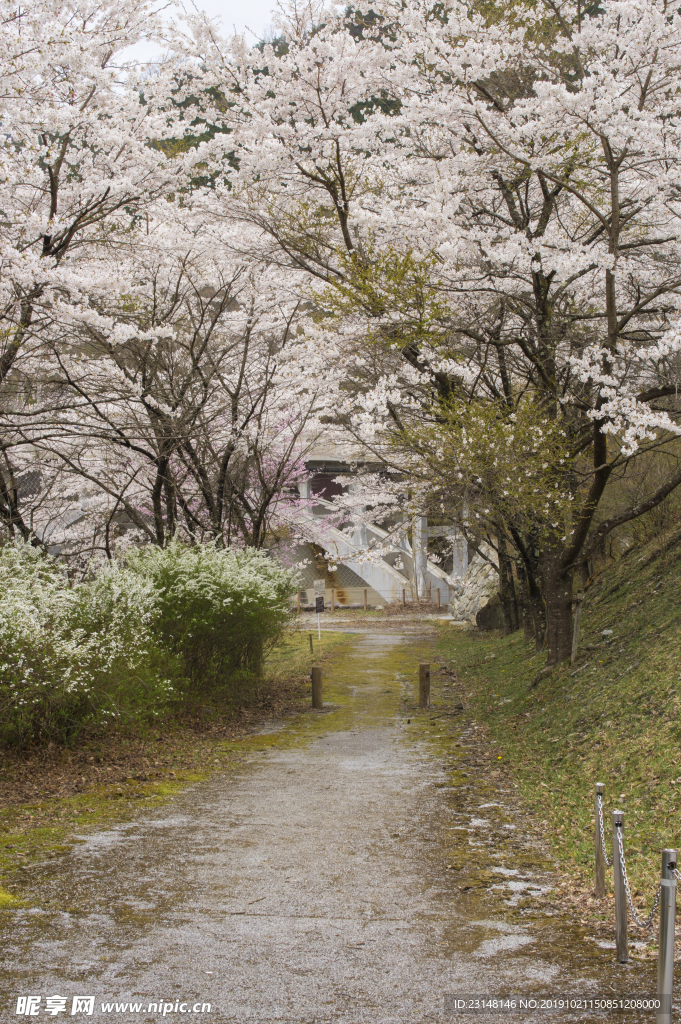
(490, 615)
(478, 585)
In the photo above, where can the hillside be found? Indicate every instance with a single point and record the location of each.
(613, 717)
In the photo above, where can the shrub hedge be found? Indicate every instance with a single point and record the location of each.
(145, 636)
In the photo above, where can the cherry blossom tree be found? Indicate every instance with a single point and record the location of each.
(82, 161)
(78, 159)
(452, 233)
(494, 198)
(183, 401)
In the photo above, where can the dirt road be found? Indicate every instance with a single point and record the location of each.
(359, 872)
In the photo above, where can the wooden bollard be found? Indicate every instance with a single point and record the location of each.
(333, 601)
(299, 602)
(424, 685)
(404, 598)
(317, 687)
(438, 599)
(365, 600)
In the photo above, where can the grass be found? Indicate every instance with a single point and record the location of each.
(44, 828)
(613, 717)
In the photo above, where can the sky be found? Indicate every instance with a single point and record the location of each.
(252, 17)
(242, 14)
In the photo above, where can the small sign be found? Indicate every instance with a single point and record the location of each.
(319, 604)
(319, 588)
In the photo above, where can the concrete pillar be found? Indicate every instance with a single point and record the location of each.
(420, 547)
(359, 534)
(459, 554)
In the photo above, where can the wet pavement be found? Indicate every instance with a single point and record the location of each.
(361, 871)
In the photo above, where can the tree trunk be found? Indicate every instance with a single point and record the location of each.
(524, 601)
(507, 591)
(538, 612)
(528, 549)
(558, 595)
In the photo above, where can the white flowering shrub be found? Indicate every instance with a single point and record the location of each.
(217, 610)
(127, 646)
(74, 656)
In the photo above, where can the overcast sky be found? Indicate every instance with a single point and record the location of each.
(242, 15)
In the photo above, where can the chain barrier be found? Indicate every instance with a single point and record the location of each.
(647, 923)
(664, 903)
(608, 860)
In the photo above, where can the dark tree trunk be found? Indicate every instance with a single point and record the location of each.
(524, 602)
(528, 549)
(9, 502)
(171, 505)
(558, 594)
(507, 591)
(538, 613)
(157, 505)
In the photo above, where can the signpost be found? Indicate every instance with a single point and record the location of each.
(319, 588)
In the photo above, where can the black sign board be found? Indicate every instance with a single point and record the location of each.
(319, 604)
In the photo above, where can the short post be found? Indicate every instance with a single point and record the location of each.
(404, 598)
(598, 845)
(299, 602)
(424, 685)
(665, 963)
(316, 674)
(333, 600)
(620, 893)
(438, 599)
(578, 601)
(365, 599)
(311, 651)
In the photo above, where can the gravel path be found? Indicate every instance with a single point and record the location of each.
(320, 883)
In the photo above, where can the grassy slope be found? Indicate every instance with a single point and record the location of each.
(613, 717)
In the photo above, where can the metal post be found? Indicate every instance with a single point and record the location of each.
(665, 963)
(598, 845)
(620, 894)
(365, 599)
(317, 687)
(424, 685)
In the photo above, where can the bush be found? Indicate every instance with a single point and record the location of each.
(73, 657)
(127, 646)
(216, 610)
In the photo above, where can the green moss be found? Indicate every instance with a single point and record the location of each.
(7, 900)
